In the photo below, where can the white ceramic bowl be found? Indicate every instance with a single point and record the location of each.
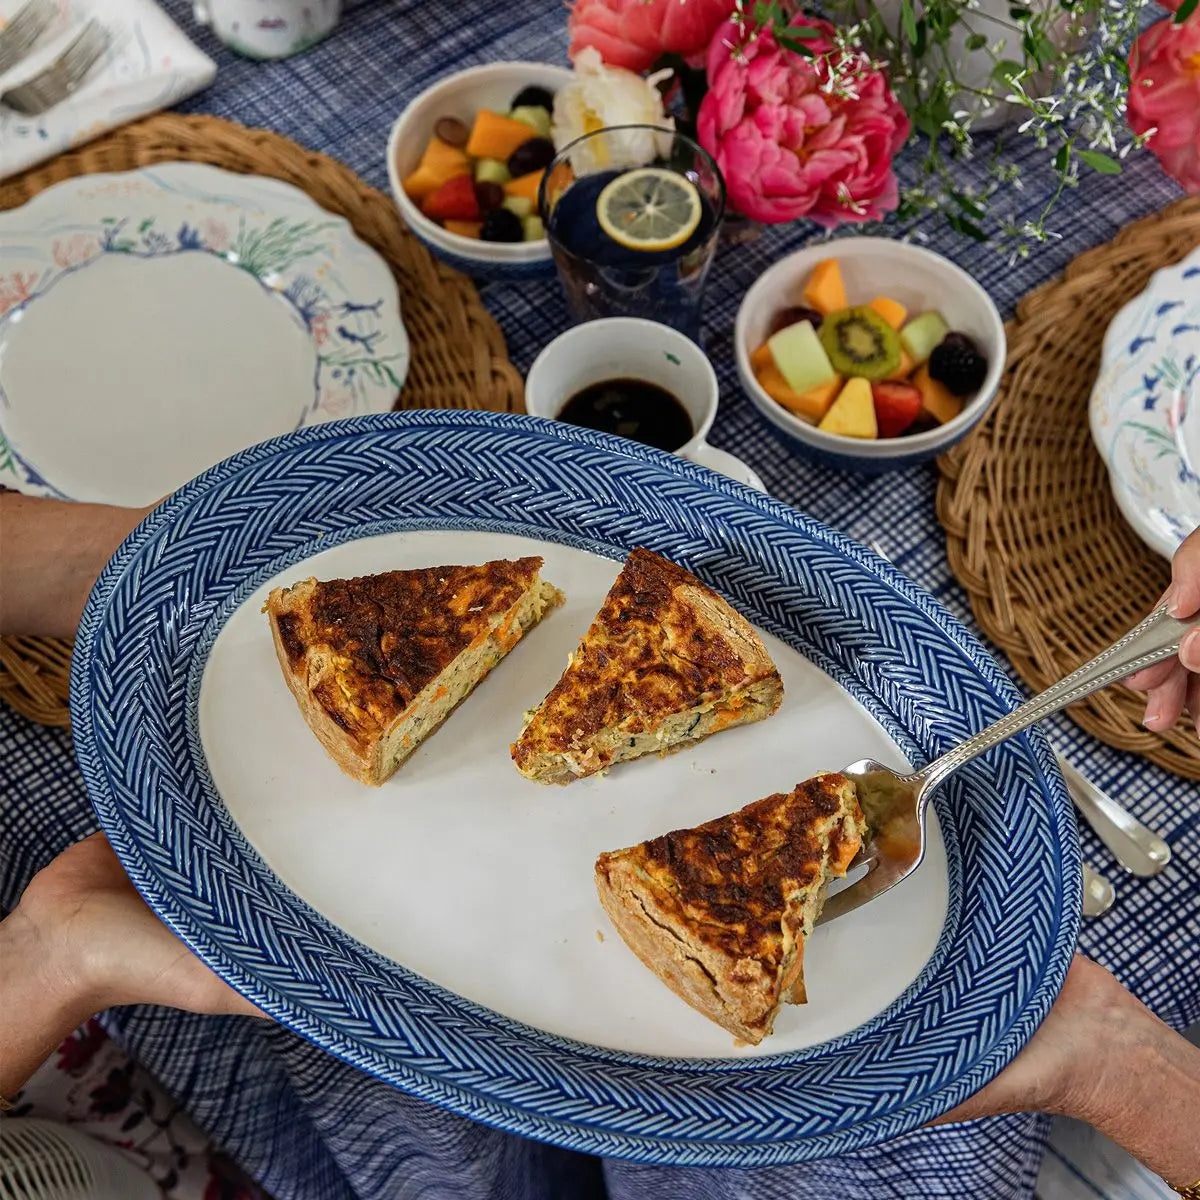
(462, 95)
(920, 280)
(629, 347)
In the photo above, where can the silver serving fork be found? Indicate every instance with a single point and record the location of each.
(17, 38)
(53, 85)
(895, 805)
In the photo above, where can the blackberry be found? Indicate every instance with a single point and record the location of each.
(957, 363)
(500, 225)
(533, 97)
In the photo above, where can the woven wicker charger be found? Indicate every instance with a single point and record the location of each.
(1053, 572)
(458, 354)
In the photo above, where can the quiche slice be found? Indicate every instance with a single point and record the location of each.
(665, 663)
(720, 913)
(377, 663)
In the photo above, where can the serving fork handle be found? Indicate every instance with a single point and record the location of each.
(1150, 641)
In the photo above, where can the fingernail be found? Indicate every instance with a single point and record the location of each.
(1150, 720)
(1189, 650)
(1175, 602)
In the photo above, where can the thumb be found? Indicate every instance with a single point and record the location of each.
(1183, 596)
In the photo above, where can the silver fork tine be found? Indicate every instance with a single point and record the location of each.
(89, 39)
(18, 36)
(63, 76)
(80, 55)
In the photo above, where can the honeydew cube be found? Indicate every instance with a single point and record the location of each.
(491, 170)
(519, 206)
(922, 335)
(800, 357)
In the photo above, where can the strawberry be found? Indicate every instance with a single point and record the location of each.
(453, 201)
(897, 405)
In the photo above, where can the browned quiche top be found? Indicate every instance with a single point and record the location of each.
(369, 645)
(735, 880)
(653, 649)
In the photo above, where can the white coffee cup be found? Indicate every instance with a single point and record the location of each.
(632, 348)
(268, 28)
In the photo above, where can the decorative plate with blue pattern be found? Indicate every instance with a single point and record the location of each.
(442, 932)
(1142, 409)
(153, 322)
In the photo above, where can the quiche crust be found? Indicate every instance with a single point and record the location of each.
(377, 663)
(720, 912)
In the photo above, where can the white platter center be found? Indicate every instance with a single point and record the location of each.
(476, 878)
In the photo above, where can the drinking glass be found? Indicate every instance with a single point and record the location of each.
(601, 277)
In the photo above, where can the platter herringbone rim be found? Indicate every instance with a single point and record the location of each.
(459, 359)
(1052, 570)
(1013, 879)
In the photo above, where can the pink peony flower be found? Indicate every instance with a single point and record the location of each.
(634, 33)
(1164, 94)
(797, 136)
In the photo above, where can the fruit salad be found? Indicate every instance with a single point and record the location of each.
(865, 370)
(482, 181)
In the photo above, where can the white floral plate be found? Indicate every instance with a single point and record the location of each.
(154, 322)
(1144, 409)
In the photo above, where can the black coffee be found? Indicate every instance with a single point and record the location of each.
(631, 408)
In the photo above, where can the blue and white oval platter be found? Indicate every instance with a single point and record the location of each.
(442, 932)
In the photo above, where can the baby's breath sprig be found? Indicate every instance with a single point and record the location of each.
(1057, 66)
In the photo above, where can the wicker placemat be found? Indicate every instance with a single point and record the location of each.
(1053, 571)
(458, 354)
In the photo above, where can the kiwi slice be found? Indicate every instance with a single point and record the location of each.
(860, 343)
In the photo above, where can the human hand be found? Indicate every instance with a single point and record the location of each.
(1102, 1057)
(97, 944)
(1174, 685)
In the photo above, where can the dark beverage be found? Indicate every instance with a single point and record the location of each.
(631, 408)
(605, 279)
(601, 276)
(574, 223)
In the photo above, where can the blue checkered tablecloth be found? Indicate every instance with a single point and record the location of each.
(308, 1126)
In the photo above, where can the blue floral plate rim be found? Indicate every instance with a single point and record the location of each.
(1140, 404)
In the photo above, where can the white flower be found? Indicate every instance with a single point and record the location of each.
(600, 96)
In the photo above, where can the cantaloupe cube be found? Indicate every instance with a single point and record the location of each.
(892, 311)
(493, 135)
(761, 358)
(825, 290)
(440, 163)
(906, 367)
(811, 405)
(526, 186)
(852, 414)
(937, 401)
(471, 229)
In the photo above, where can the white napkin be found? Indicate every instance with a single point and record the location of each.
(149, 64)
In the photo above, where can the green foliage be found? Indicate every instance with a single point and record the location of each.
(1061, 66)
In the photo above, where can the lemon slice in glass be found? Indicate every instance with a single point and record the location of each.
(649, 209)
